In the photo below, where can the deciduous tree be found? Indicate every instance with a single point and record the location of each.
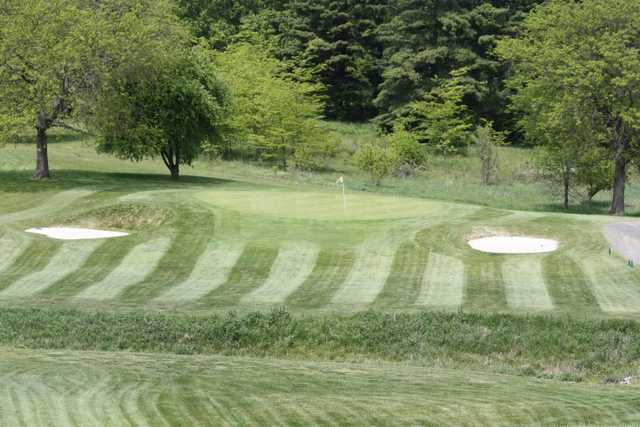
(577, 67)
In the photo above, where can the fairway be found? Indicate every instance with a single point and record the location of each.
(234, 245)
(88, 388)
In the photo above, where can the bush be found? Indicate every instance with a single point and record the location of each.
(410, 156)
(378, 161)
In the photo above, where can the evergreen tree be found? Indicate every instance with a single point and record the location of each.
(426, 39)
(335, 42)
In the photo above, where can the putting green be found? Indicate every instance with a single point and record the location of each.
(320, 205)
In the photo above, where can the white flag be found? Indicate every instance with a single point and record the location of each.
(340, 180)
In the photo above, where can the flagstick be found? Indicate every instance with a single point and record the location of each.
(344, 199)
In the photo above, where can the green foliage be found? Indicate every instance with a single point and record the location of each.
(424, 40)
(410, 156)
(576, 77)
(219, 21)
(167, 108)
(273, 115)
(442, 120)
(486, 140)
(56, 55)
(340, 50)
(378, 161)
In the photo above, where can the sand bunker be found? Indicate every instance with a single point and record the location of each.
(66, 233)
(513, 245)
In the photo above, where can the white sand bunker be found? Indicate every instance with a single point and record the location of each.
(514, 245)
(67, 233)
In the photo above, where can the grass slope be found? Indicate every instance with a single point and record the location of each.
(75, 389)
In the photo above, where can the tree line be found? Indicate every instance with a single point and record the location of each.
(252, 79)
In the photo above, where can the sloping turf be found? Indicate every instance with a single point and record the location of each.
(66, 388)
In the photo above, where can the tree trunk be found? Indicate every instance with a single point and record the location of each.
(284, 158)
(171, 159)
(175, 171)
(619, 178)
(42, 156)
(566, 181)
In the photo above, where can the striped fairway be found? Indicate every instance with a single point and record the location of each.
(330, 272)
(134, 268)
(369, 274)
(484, 288)
(443, 282)
(291, 268)
(615, 285)
(524, 284)
(65, 261)
(211, 271)
(11, 247)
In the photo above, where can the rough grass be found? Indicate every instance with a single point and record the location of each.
(549, 347)
(126, 216)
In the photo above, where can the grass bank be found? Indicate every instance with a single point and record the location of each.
(539, 346)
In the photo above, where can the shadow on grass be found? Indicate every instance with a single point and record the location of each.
(21, 182)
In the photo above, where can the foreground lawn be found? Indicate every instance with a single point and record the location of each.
(90, 388)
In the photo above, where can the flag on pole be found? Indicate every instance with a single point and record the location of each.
(340, 182)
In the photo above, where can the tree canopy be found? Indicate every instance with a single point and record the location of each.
(169, 108)
(576, 78)
(55, 56)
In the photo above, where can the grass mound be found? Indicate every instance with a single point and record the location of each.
(534, 346)
(121, 217)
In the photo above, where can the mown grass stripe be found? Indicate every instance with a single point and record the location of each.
(484, 288)
(331, 269)
(443, 282)
(33, 258)
(134, 268)
(211, 271)
(524, 284)
(49, 206)
(369, 274)
(251, 270)
(69, 258)
(615, 286)
(11, 247)
(405, 279)
(193, 232)
(568, 286)
(291, 268)
(96, 268)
